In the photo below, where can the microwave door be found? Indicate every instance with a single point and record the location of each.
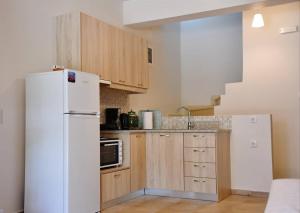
(109, 154)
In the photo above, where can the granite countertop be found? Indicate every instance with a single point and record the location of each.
(168, 130)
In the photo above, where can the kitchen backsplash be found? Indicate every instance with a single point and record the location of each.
(111, 98)
(198, 122)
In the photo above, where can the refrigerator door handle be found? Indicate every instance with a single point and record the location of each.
(72, 112)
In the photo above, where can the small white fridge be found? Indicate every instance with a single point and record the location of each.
(62, 156)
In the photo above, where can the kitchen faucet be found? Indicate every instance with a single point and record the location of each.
(189, 116)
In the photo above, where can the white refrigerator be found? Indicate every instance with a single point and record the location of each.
(62, 143)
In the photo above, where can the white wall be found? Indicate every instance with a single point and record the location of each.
(211, 55)
(164, 90)
(154, 12)
(27, 44)
(271, 82)
(251, 166)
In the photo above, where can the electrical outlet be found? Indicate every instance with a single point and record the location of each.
(253, 144)
(253, 119)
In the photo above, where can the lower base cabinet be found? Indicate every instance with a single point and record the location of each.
(115, 185)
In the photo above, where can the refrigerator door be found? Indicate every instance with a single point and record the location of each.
(82, 161)
(81, 92)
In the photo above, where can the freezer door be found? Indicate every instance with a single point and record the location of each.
(81, 92)
(82, 160)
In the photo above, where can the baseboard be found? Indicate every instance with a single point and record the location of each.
(249, 193)
(180, 194)
(122, 199)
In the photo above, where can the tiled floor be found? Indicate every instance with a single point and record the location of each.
(155, 204)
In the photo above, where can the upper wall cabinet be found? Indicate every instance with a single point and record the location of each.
(88, 44)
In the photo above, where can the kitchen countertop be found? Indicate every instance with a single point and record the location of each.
(167, 130)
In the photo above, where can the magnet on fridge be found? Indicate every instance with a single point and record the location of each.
(71, 77)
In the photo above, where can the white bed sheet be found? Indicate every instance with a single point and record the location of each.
(284, 196)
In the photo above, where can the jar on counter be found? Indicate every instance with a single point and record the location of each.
(133, 120)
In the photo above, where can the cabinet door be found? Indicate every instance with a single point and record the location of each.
(200, 170)
(199, 140)
(145, 64)
(114, 185)
(141, 75)
(106, 46)
(165, 161)
(203, 155)
(90, 45)
(118, 55)
(137, 161)
(202, 185)
(129, 59)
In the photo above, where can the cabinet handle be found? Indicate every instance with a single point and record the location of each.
(203, 150)
(195, 165)
(195, 150)
(117, 175)
(203, 166)
(166, 135)
(203, 181)
(196, 181)
(195, 136)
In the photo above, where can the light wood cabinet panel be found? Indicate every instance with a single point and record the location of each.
(114, 185)
(202, 185)
(140, 62)
(165, 161)
(206, 170)
(138, 161)
(199, 140)
(106, 47)
(90, 45)
(203, 155)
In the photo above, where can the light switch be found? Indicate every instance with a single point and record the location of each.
(285, 30)
(253, 119)
(253, 144)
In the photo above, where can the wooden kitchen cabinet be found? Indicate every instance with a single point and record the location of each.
(90, 45)
(138, 161)
(207, 163)
(115, 185)
(165, 161)
(79, 43)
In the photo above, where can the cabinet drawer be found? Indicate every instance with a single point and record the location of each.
(199, 140)
(206, 170)
(115, 184)
(201, 155)
(202, 185)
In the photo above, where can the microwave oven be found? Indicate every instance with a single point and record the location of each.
(111, 152)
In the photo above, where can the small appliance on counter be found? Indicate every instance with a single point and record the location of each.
(112, 119)
(150, 119)
(124, 121)
(111, 152)
(133, 120)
